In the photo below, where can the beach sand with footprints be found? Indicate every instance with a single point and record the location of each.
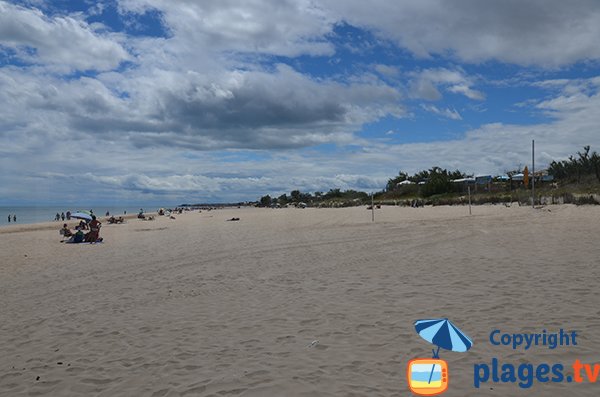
(294, 302)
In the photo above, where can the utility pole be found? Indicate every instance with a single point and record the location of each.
(469, 189)
(533, 173)
(372, 208)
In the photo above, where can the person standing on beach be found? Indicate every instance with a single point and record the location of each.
(8, 218)
(62, 216)
(15, 218)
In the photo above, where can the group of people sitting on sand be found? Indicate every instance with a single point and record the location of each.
(93, 236)
(144, 217)
(112, 220)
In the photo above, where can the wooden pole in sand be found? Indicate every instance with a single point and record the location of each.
(372, 209)
(469, 189)
(533, 173)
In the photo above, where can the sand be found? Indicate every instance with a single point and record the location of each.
(291, 302)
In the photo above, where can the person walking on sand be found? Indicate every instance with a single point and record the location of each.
(15, 218)
(8, 218)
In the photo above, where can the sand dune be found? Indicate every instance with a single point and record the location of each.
(314, 302)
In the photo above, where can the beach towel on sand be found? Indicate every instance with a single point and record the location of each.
(84, 242)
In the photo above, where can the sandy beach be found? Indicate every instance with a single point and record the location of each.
(291, 302)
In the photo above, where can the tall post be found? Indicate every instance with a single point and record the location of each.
(533, 173)
(469, 189)
(372, 208)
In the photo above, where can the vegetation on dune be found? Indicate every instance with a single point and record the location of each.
(574, 169)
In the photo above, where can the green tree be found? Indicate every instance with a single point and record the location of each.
(392, 183)
(265, 201)
(283, 199)
(295, 195)
(333, 193)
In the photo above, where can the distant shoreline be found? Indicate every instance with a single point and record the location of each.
(50, 225)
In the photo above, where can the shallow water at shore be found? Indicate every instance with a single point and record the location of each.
(37, 214)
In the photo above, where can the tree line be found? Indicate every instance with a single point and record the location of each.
(576, 168)
(438, 181)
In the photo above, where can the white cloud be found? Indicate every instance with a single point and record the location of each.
(426, 82)
(466, 91)
(448, 113)
(546, 33)
(387, 70)
(60, 41)
(276, 27)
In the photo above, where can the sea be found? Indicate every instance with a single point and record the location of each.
(36, 214)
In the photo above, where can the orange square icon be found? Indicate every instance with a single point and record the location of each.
(427, 376)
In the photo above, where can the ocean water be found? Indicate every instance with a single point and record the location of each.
(36, 214)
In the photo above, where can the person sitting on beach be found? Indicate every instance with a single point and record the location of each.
(94, 233)
(76, 238)
(65, 231)
(82, 225)
(112, 220)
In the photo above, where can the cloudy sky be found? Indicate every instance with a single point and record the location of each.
(170, 101)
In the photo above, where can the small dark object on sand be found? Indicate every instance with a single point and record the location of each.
(233, 219)
(38, 378)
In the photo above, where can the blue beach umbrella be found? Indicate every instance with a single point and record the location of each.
(442, 333)
(82, 215)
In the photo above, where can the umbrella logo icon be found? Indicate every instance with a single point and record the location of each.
(429, 376)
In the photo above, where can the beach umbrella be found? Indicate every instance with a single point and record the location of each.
(442, 333)
(82, 215)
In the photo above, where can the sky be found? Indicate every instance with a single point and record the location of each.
(182, 101)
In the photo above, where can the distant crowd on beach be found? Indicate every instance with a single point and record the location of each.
(67, 215)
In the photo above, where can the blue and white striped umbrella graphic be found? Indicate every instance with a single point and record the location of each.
(442, 333)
